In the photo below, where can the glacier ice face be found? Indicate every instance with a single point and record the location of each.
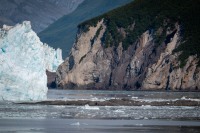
(24, 60)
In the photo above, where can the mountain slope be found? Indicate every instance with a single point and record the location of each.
(41, 13)
(147, 44)
(152, 15)
(62, 33)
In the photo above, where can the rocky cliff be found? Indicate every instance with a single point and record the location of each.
(101, 58)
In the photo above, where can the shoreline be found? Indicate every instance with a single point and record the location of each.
(134, 90)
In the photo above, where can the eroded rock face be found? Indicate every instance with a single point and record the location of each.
(86, 62)
(166, 73)
(144, 65)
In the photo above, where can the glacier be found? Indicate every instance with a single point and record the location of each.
(24, 60)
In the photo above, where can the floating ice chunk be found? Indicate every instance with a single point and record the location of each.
(23, 63)
(76, 124)
(146, 106)
(187, 107)
(59, 106)
(183, 98)
(139, 124)
(191, 99)
(94, 99)
(119, 111)
(90, 107)
(137, 118)
(134, 97)
(198, 100)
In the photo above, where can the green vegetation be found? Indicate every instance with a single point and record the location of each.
(96, 35)
(62, 33)
(153, 15)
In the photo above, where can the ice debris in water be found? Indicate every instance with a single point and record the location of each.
(24, 60)
(78, 124)
(183, 98)
(146, 106)
(75, 124)
(91, 108)
(119, 111)
(134, 97)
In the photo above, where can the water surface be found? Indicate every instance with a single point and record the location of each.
(26, 118)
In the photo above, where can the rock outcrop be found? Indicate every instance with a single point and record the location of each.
(166, 73)
(135, 48)
(141, 66)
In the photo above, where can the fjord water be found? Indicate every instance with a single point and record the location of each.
(26, 118)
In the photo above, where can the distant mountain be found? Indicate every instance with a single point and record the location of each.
(62, 33)
(41, 13)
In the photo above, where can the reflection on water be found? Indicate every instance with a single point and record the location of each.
(96, 126)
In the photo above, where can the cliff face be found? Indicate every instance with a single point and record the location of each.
(141, 66)
(166, 73)
(148, 48)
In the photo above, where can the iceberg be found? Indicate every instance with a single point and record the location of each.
(24, 60)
